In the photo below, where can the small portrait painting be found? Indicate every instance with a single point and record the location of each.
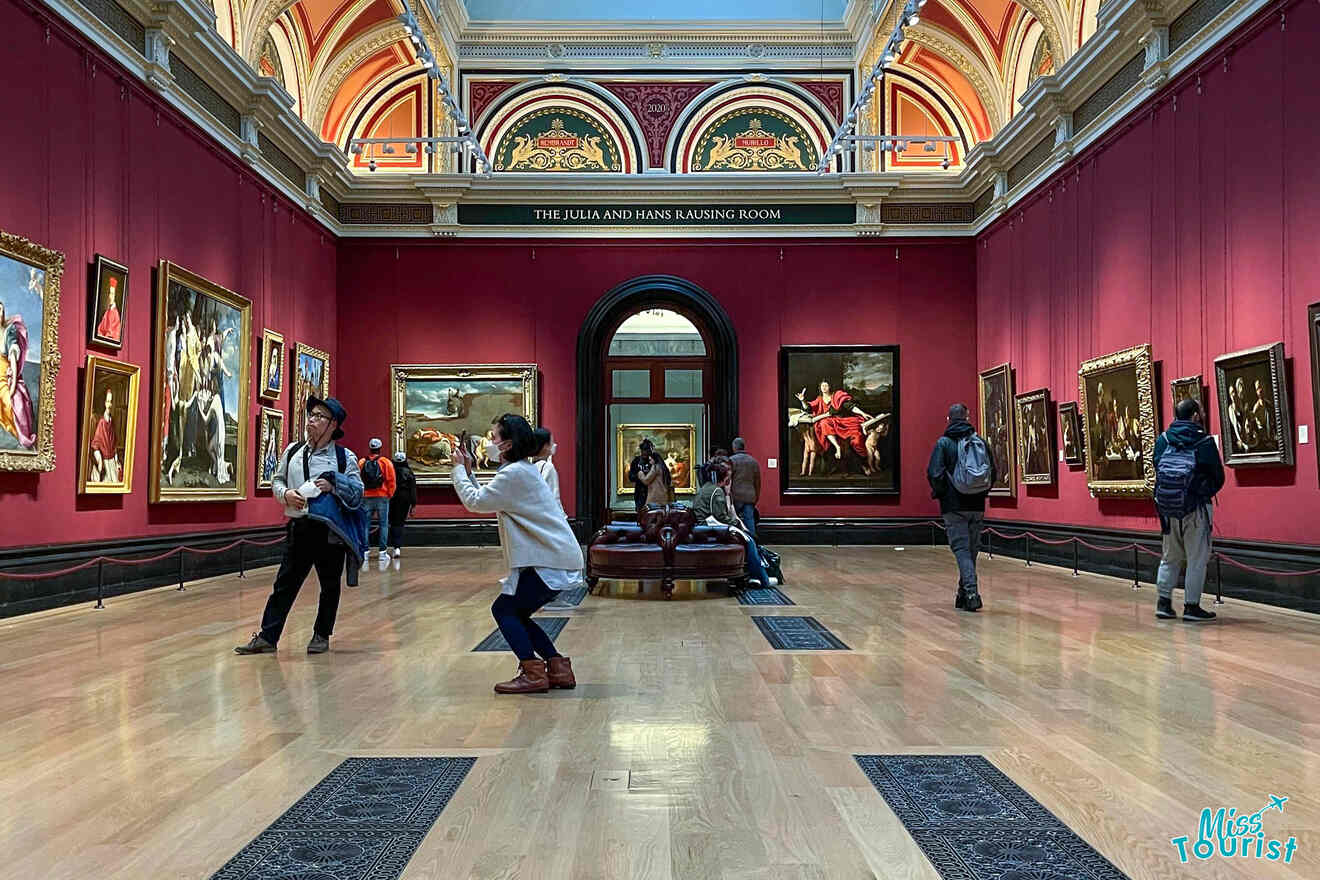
(109, 298)
(1035, 437)
(1188, 388)
(110, 402)
(272, 364)
(1070, 434)
(840, 428)
(311, 377)
(997, 426)
(29, 353)
(1254, 414)
(270, 445)
(1118, 410)
(672, 443)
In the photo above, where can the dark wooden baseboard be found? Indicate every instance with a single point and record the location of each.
(112, 579)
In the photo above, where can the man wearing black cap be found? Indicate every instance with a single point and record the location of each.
(307, 469)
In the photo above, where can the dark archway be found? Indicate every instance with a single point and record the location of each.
(646, 291)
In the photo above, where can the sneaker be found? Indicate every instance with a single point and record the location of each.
(974, 602)
(773, 581)
(1164, 610)
(318, 645)
(398, 551)
(257, 645)
(1197, 614)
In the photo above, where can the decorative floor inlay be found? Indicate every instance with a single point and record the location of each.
(798, 634)
(974, 823)
(763, 596)
(567, 599)
(553, 626)
(362, 822)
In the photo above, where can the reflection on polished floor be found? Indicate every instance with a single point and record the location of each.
(136, 745)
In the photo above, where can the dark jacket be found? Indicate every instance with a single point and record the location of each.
(1209, 476)
(943, 459)
(405, 494)
(746, 486)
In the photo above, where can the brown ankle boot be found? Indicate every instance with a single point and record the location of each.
(531, 679)
(561, 673)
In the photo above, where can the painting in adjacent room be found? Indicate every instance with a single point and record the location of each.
(1118, 416)
(1070, 434)
(106, 445)
(200, 389)
(29, 352)
(272, 364)
(1189, 388)
(1254, 415)
(997, 426)
(840, 428)
(270, 445)
(432, 405)
(674, 443)
(311, 378)
(109, 300)
(1036, 452)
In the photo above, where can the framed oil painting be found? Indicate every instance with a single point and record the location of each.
(109, 300)
(1118, 418)
(270, 445)
(840, 428)
(1070, 434)
(311, 376)
(674, 443)
(1189, 387)
(1036, 451)
(431, 405)
(997, 426)
(200, 389)
(29, 353)
(272, 364)
(109, 427)
(1254, 415)
(1313, 330)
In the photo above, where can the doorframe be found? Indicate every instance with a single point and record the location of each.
(644, 291)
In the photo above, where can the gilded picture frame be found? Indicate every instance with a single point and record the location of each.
(271, 367)
(1313, 332)
(29, 322)
(310, 374)
(1035, 435)
(109, 291)
(1070, 434)
(270, 444)
(431, 405)
(1118, 422)
(998, 426)
(193, 364)
(1255, 418)
(677, 444)
(108, 439)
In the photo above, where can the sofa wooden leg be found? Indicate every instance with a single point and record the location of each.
(668, 587)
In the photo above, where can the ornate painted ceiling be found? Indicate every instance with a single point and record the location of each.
(350, 68)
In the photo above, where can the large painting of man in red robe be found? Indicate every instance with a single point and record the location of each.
(841, 435)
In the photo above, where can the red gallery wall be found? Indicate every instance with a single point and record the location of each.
(1193, 228)
(518, 302)
(93, 163)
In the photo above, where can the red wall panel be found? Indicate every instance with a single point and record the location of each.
(485, 302)
(1194, 229)
(95, 164)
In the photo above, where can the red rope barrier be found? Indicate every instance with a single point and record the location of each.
(1266, 571)
(45, 574)
(142, 560)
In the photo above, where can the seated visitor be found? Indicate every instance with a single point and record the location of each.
(712, 507)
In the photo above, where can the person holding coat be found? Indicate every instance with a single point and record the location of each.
(541, 553)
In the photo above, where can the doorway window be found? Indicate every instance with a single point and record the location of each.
(657, 333)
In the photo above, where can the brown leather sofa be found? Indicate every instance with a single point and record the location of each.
(666, 544)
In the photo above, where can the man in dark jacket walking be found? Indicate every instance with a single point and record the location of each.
(402, 502)
(1187, 537)
(963, 514)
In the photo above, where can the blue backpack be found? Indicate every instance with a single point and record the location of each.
(1174, 479)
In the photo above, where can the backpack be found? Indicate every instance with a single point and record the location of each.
(373, 477)
(340, 457)
(407, 484)
(1175, 477)
(971, 474)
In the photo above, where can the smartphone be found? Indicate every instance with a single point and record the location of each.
(463, 441)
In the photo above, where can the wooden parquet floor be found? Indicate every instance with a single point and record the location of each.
(134, 744)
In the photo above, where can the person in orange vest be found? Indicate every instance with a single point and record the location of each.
(378, 483)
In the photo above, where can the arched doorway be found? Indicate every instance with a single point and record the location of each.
(601, 411)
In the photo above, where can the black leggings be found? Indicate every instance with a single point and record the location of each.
(513, 615)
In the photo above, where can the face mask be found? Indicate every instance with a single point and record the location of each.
(492, 451)
(554, 447)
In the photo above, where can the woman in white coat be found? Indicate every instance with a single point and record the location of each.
(541, 552)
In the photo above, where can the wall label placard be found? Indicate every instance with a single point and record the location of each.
(658, 215)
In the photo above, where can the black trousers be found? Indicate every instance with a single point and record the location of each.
(308, 547)
(513, 615)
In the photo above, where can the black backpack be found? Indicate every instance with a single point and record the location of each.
(373, 477)
(340, 457)
(407, 484)
(1175, 477)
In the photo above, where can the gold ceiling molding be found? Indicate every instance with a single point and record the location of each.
(980, 76)
(261, 14)
(1052, 18)
(327, 84)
